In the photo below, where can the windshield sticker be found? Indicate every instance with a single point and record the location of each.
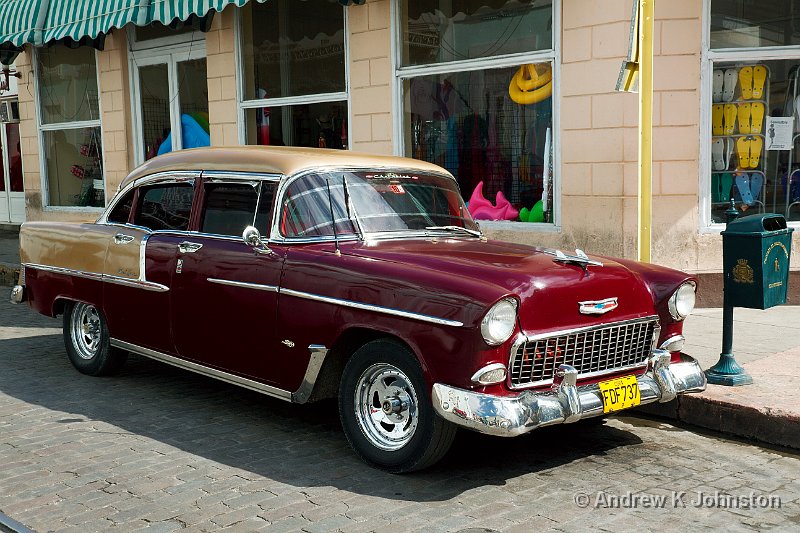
(391, 176)
(397, 189)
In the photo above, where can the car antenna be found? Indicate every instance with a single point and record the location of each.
(333, 219)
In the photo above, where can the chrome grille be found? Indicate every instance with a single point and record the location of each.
(592, 351)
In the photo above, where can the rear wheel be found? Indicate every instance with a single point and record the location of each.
(88, 342)
(386, 409)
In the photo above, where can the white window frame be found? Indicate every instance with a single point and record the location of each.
(708, 58)
(195, 37)
(185, 50)
(552, 55)
(243, 105)
(59, 126)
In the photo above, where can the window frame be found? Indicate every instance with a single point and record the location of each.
(61, 126)
(242, 105)
(708, 57)
(553, 55)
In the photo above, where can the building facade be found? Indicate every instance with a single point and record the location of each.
(515, 97)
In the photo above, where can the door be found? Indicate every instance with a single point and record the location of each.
(12, 195)
(224, 302)
(170, 91)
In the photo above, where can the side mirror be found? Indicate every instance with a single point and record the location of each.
(252, 237)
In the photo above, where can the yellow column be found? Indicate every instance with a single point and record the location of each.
(645, 204)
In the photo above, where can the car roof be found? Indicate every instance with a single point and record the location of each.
(284, 160)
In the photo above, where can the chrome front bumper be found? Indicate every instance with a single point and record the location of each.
(509, 416)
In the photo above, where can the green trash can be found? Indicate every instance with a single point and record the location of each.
(755, 256)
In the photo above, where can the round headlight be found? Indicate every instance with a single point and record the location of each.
(681, 303)
(498, 324)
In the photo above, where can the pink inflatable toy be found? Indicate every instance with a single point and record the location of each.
(482, 209)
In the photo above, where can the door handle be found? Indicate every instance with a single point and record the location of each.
(187, 247)
(121, 238)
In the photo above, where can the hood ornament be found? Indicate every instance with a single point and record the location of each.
(598, 307)
(580, 258)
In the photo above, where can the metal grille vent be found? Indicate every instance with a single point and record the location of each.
(592, 351)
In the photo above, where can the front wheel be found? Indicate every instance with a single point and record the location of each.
(88, 342)
(386, 409)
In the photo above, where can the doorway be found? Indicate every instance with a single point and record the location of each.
(170, 99)
(12, 196)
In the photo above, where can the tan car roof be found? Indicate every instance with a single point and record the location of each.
(272, 160)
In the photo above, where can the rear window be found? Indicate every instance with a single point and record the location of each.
(165, 207)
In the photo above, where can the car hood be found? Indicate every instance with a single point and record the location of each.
(549, 291)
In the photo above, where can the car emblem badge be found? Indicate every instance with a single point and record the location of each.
(598, 307)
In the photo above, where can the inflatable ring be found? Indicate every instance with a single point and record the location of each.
(527, 78)
(541, 85)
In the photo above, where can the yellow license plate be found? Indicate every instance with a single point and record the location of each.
(620, 393)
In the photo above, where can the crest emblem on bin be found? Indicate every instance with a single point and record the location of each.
(742, 272)
(597, 307)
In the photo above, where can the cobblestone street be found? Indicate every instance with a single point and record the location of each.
(164, 449)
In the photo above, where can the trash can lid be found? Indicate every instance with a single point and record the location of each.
(757, 224)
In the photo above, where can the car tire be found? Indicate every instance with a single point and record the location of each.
(386, 410)
(88, 342)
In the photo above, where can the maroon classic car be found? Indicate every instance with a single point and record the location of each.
(362, 278)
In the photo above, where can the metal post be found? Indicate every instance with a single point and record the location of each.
(645, 211)
(727, 371)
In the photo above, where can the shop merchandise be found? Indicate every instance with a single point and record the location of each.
(729, 85)
(483, 209)
(534, 214)
(717, 86)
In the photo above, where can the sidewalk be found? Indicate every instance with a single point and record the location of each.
(764, 342)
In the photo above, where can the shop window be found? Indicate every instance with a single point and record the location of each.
(750, 24)
(490, 124)
(755, 129)
(295, 52)
(70, 126)
(436, 31)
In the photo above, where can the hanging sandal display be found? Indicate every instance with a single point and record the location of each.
(744, 118)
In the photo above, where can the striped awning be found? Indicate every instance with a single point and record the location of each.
(41, 21)
(89, 18)
(21, 21)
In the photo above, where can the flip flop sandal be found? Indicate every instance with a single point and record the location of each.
(756, 117)
(726, 184)
(718, 154)
(730, 118)
(756, 144)
(729, 145)
(718, 81)
(743, 151)
(746, 82)
(759, 78)
(744, 118)
(729, 84)
(716, 119)
(743, 186)
(756, 184)
(716, 188)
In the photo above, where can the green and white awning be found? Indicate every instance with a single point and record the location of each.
(41, 21)
(21, 21)
(89, 18)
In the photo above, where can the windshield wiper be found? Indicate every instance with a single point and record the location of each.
(474, 233)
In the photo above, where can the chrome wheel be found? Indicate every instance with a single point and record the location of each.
(386, 406)
(85, 330)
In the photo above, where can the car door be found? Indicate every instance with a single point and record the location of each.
(137, 296)
(224, 303)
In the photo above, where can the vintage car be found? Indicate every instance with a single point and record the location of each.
(307, 274)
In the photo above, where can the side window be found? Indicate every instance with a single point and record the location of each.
(308, 205)
(230, 207)
(165, 206)
(121, 212)
(264, 215)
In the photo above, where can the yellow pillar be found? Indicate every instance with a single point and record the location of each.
(645, 203)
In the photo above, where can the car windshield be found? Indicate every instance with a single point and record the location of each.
(374, 202)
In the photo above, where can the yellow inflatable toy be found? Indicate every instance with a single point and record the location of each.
(528, 86)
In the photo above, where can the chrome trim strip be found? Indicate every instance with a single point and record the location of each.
(589, 328)
(369, 307)
(236, 175)
(204, 370)
(129, 282)
(244, 284)
(303, 392)
(675, 338)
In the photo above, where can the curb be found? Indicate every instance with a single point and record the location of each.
(769, 426)
(8, 525)
(9, 274)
